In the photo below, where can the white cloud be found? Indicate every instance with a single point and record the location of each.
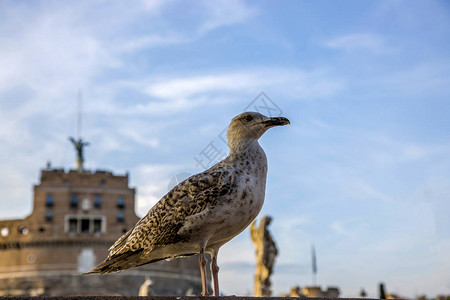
(298, 83)
(51, 54)
(65, 47)
(339, 228)
(154, 5)
(362, 190)
(173, 94)
(150, 41)
(186, 87)
(140, 137)
(226, 12)
(359, 41)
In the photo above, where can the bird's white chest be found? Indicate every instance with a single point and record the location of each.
(234, 211)
(246, 203)
(246, 200)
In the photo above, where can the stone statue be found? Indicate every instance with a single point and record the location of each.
(146, 288)
(79, 144)
(295, 292)
(266, 251)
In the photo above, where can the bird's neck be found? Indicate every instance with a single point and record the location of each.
(248, 149)
(243, 145)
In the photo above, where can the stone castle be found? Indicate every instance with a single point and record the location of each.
(77, 215)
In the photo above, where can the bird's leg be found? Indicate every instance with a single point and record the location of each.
(202, 263)
(215, 273)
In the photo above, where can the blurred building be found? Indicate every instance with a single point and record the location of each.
(317, 292)
(313, 292)
(77, 215)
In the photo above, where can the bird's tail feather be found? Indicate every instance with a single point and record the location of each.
(116, 263)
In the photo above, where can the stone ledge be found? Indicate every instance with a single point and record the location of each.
(169, 298)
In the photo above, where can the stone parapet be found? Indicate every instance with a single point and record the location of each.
(174, 298)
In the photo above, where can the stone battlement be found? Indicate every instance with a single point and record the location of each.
(101, 178)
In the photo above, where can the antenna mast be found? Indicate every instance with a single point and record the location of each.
(78, 142)
(80, 99)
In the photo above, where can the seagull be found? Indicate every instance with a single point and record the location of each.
(206, 210)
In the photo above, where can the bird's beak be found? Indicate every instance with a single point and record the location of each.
(279, 121)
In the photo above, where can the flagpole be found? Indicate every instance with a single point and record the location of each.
(314, 265)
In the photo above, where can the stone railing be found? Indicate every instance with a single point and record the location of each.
(172, 298)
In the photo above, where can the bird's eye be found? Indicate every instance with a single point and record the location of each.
(248, 118)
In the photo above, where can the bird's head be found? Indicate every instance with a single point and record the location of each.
(251, 126)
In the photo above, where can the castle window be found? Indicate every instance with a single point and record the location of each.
(49, 200)
(48, 215)
(98, 201)
(85, 224)
(120, 217)
(74, 201)
(120, 202)
(73, 225)
(102, 182)
(97, 225)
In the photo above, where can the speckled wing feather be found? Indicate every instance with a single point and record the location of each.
(162, 223)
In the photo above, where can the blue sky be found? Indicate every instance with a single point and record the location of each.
(362, 171)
